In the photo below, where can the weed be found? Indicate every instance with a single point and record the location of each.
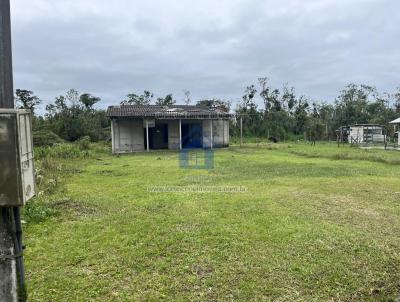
(37, 211)
(84, 143)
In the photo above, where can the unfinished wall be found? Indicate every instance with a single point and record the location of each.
(173, 135)
(128, 135)
(220, 133)
(226, 133)
(206, 133)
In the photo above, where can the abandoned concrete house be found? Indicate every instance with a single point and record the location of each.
(147, 127)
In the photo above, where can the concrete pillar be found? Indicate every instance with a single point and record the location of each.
(147, 136)
(223, 133)
(180, 134)
(112, 137)
(228, 138)
(212, 136)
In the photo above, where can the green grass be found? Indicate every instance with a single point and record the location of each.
(316, 224)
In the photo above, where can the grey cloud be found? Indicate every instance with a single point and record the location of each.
(212, 48)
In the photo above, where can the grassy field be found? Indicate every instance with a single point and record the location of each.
(315, 224)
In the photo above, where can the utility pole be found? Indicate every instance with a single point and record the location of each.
(11, 263)
(6, 77)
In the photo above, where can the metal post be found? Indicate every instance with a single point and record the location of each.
(12, 287)
(241, 131)
(147, 136)
(212, 137)
(180, 134)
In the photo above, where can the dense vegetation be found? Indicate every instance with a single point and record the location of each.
(286, 116)
(69, 118)
(283, 115)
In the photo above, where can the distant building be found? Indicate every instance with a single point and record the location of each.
(147, 127)
(366, 133)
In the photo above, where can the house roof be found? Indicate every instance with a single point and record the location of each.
(166, 112)
(396, 121)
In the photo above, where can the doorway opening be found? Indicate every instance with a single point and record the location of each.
(158, 137)
(192, 135)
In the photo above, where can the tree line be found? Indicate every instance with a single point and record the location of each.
(69, 117)
(282, 115)
(285, 115)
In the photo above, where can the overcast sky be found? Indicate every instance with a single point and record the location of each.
(214, 48)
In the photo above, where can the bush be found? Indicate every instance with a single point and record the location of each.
(61, 151)
(45, 138)
(84, 143)
(37, 211)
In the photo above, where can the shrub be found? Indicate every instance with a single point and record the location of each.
(84, 143)
(45, 138)
(37, 211)
(61, 151)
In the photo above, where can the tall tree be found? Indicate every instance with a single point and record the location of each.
(397, 100)
(187, 98)
(72, 96)
(248, 98)
(215, 103)
(264, 93)
(351, 104)
(134, 99)
(88, 100)
(168, 100)
(26, 99)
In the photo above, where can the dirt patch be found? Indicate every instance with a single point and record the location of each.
(203, 271)
(111, 173)
(78, 208)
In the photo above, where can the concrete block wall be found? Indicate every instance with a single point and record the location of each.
(128, 135)
(226, 133)
(173, 135)
(206, 133)
(220, 133)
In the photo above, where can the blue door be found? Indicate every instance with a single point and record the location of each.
(192, 135)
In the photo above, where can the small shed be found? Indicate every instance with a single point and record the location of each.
(366, 133)
(147, 127)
